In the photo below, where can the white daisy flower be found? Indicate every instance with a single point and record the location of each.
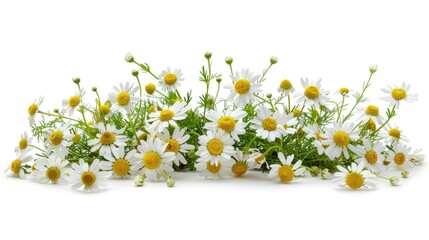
(33, 110)
(88, 177)
(51, 170)
(338, 137)
(123, 97)
(256, 159)
(417, 157)
(215, 146)
(286, 87)
(397, 94)
(176, 144)
(108, 140)
(272, 126)
(16, 166)
(240, 167)
(214, 171)
(286, 171)
(400, 157)
(170, 80)
(230, 122)
(119, 163)
(314, 131)
(24, 143)
(371, 112)
(162, 119)
(58, 140)
(243, 88)
(393, 134)
(73, 102)
(313, 95)
(153, 158)
(371, 154)
(354, 176)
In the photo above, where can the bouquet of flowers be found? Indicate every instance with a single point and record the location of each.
(154, 130)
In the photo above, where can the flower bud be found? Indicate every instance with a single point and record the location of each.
(94, 89)
(219, 79)
(76, 138)
(129, 58)
(76, 80)
(170, 182)
(139, 180)
(405, 174)
(273, 60)
(394, 181)
(208, 55)
(135, 72)
(56, 110)
(150, 88)
(315, 171)
(229, 60)
(373, 68)
(269, 95)
(325, 174)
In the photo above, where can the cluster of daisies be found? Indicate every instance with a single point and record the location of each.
(152, 131)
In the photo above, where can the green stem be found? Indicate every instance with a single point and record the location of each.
(36, 147)
(341, 108)
(359, 97)
(140, 86)
(271, 148)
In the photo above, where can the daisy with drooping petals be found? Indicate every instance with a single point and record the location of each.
(119, 163)
(398, 94)
(214, 171)
(371, 112)
(153, 158)
(16, 166)
(240, 167)
(256, 159)
(354, 176)
(393, 135)
(285, 87)
(417, 157)
(215, 146)
(400, 157)
(286, 171)
(176, 144)
(170, 80)
(73, 102)
(108, 140)
(243, 88)
(338, 137)
(24, 143)
(123, 97)
(32, 111)
(371, 155)
(51, 170)
(88, 177)
(58, 140)
(314, 131)
(162, 119)
(313, 94)
(228, 121)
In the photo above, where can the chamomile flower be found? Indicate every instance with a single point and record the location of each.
(371, 154)
(229, 121)
(417, 157)
(272, 126)
(214, 171)
(176, 144)
(51, 170)
(16, 166)
(170, 80)
(33, 110)
(314, 131)
(24, 143)
(400, 157)
(371, 112)
(338, 137)
(256, 159)
(313, 94)
(354, 176)
(393, 134)
(243, 88)
(71, 103)
(215, 146)
(162, 119)
(88, 177)
(58, 140)
(240, 167)
(108, 140)
(153, 159)
(286, 171)
(119, 163)
(398, 94)
(123, 97)
(286, 87)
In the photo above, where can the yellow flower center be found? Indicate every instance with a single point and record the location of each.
(121, 167)
(399, 94)
(104, 109)
(151, 109)
(239, 168)
(371, 156)
(53, 174)
(170, 79)
(226, 123)
(269, 124)
(56, 138)
(151, 160)
(23, 143)
(150, 88)
(344, 90)
(372, 110)
(143, 136)
(107, 138)
(76, 138)
(242, 86)
(285, 84)
(354, 180)
(312, 92)
(372, 125)
(123, 99)
(74, 101)
(88, 178)
(296, 113)
(166, 115)
(33, 109)
(286, 173)
(213, 168)
(260, 159)
(341, 138)
(215, 147)
(399, 158)
(394, 132)
(16, 166)
(173, 146)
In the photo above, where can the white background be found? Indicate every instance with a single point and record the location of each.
(43, 44)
